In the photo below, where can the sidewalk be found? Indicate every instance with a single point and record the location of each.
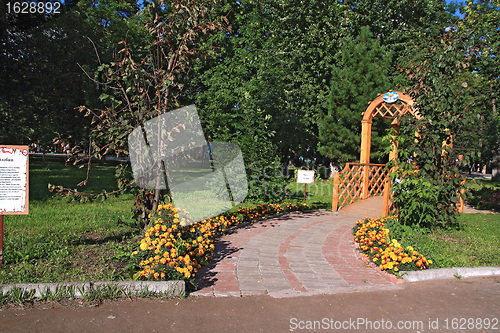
(299, 254)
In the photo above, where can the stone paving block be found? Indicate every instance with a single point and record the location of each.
(270, 270)
(248, 266)
(306, 277)
(267, 277)
(227, 294)
(272, 288)
(262, 292)
(285, 293)
(249, 278)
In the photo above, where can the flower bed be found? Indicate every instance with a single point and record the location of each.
(389, 255)
(173, 249)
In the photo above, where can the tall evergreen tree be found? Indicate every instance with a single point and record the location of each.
(362, 72)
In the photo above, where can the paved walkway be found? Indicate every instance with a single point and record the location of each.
(298, 254)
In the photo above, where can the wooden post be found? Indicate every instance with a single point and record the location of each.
(387, 196)
(335, 201)
(394, 140)
(366, 181)
(461, 202)
(366, 137)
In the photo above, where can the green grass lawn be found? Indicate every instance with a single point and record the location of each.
(475, 242)
(318, 194)
(68, 241)
(64, 241)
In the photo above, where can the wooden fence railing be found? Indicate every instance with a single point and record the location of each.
(360, 181)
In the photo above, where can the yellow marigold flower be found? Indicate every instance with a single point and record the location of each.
(144, 246)
(406, 260)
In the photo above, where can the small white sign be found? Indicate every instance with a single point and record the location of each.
(305, 176)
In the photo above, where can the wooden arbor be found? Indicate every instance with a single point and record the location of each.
(361, 180)
(380, 108)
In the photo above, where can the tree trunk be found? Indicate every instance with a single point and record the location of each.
(493, 101)
(495, 166)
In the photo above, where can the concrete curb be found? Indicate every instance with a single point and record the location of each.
(450, 273)
(170, 288)
(433, 273)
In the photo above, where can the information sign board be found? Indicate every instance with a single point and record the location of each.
(14, 188)
(305, 176)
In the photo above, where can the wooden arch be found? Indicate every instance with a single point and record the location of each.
(383, 107)
(362, 180)
(379, 108)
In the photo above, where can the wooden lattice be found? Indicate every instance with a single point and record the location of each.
(349, 184)
(377, 178)
(392, 111)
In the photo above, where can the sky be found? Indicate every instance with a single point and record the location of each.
(457, 2)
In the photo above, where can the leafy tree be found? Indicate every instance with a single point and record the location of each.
(361, 73)
(426, 181)
(23, 68)
(305, 37)
(240, 100)
(479, 30)
(41, 64)
(136, 89)
(307, 41)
